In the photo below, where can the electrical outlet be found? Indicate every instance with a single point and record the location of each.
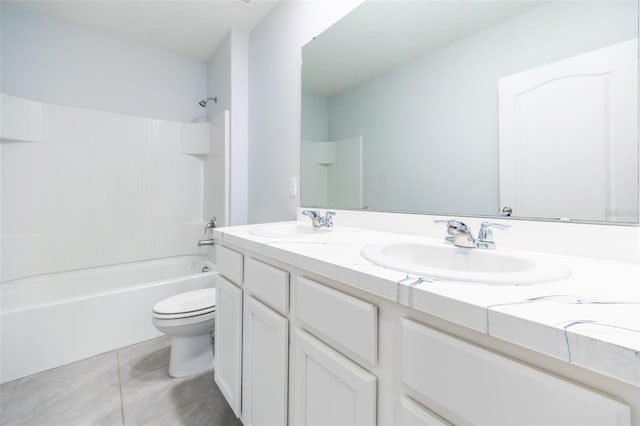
(293, 187)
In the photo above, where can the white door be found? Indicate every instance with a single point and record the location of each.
(265, 365)
(568, 137)
(228, 341)
(330, 389)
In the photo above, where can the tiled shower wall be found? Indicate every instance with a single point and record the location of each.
(83, 188)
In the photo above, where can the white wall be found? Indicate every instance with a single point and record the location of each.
(274, 101)
(440, 111)
(227, 79)
(219, 78)
(239, 208)
(50, 60)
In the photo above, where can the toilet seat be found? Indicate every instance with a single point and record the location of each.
(185, 314)
(177, 322)
(186, 305)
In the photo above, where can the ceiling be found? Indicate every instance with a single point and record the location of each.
(190, 28)
(350, 51)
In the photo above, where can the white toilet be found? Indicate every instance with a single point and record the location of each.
(189, 318)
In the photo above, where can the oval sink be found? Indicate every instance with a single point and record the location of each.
(288, 230)
(459, 264)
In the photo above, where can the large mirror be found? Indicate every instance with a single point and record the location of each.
(526, 109)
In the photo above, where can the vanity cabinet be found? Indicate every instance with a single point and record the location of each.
(294, 348)
(329, 388)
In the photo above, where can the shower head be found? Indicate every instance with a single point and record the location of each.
(203, 103)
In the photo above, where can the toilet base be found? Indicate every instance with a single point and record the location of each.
(190, 355)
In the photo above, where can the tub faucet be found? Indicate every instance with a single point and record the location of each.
(319, 221)
(207, 242)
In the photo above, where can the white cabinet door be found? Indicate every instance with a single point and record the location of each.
(265, 365)
(330, 389)
(228, 341)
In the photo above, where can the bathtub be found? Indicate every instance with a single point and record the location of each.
(51, 320)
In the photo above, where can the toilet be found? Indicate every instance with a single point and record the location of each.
(189, 318)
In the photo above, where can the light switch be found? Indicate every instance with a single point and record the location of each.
(293, 187)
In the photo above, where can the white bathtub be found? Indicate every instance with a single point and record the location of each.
(52, 320)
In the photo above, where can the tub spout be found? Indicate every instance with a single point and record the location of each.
(207, 242)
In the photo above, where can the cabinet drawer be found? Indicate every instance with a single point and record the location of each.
(348, 321)
(230, 264)
(485, 388)
(414, 414)
(267, 283)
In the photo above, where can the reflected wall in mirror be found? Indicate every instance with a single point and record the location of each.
(475, 107)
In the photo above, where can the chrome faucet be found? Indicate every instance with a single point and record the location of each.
(318, 220)
(210, 225)
(460, 234)
(207, 242)
(485, 235)
(208, 230)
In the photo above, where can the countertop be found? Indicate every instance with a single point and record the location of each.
(591, 319)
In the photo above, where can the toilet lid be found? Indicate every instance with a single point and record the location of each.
(203, 312)
(191, 301)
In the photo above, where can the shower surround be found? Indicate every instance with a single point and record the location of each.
(85, 189)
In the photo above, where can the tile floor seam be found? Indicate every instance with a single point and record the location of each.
(177, 407)
(120, 389)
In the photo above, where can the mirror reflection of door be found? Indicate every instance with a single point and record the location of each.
(567, 137)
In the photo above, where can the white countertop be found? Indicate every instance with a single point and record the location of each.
(591, 319)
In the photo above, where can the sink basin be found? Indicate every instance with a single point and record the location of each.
(459, 264)
(288, 230)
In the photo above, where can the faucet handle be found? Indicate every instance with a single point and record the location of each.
(485, 233)
(454, 225)
(328, 218)
(210, 225)
(486, 225)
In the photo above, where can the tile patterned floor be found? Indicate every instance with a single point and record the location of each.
(126, 387)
